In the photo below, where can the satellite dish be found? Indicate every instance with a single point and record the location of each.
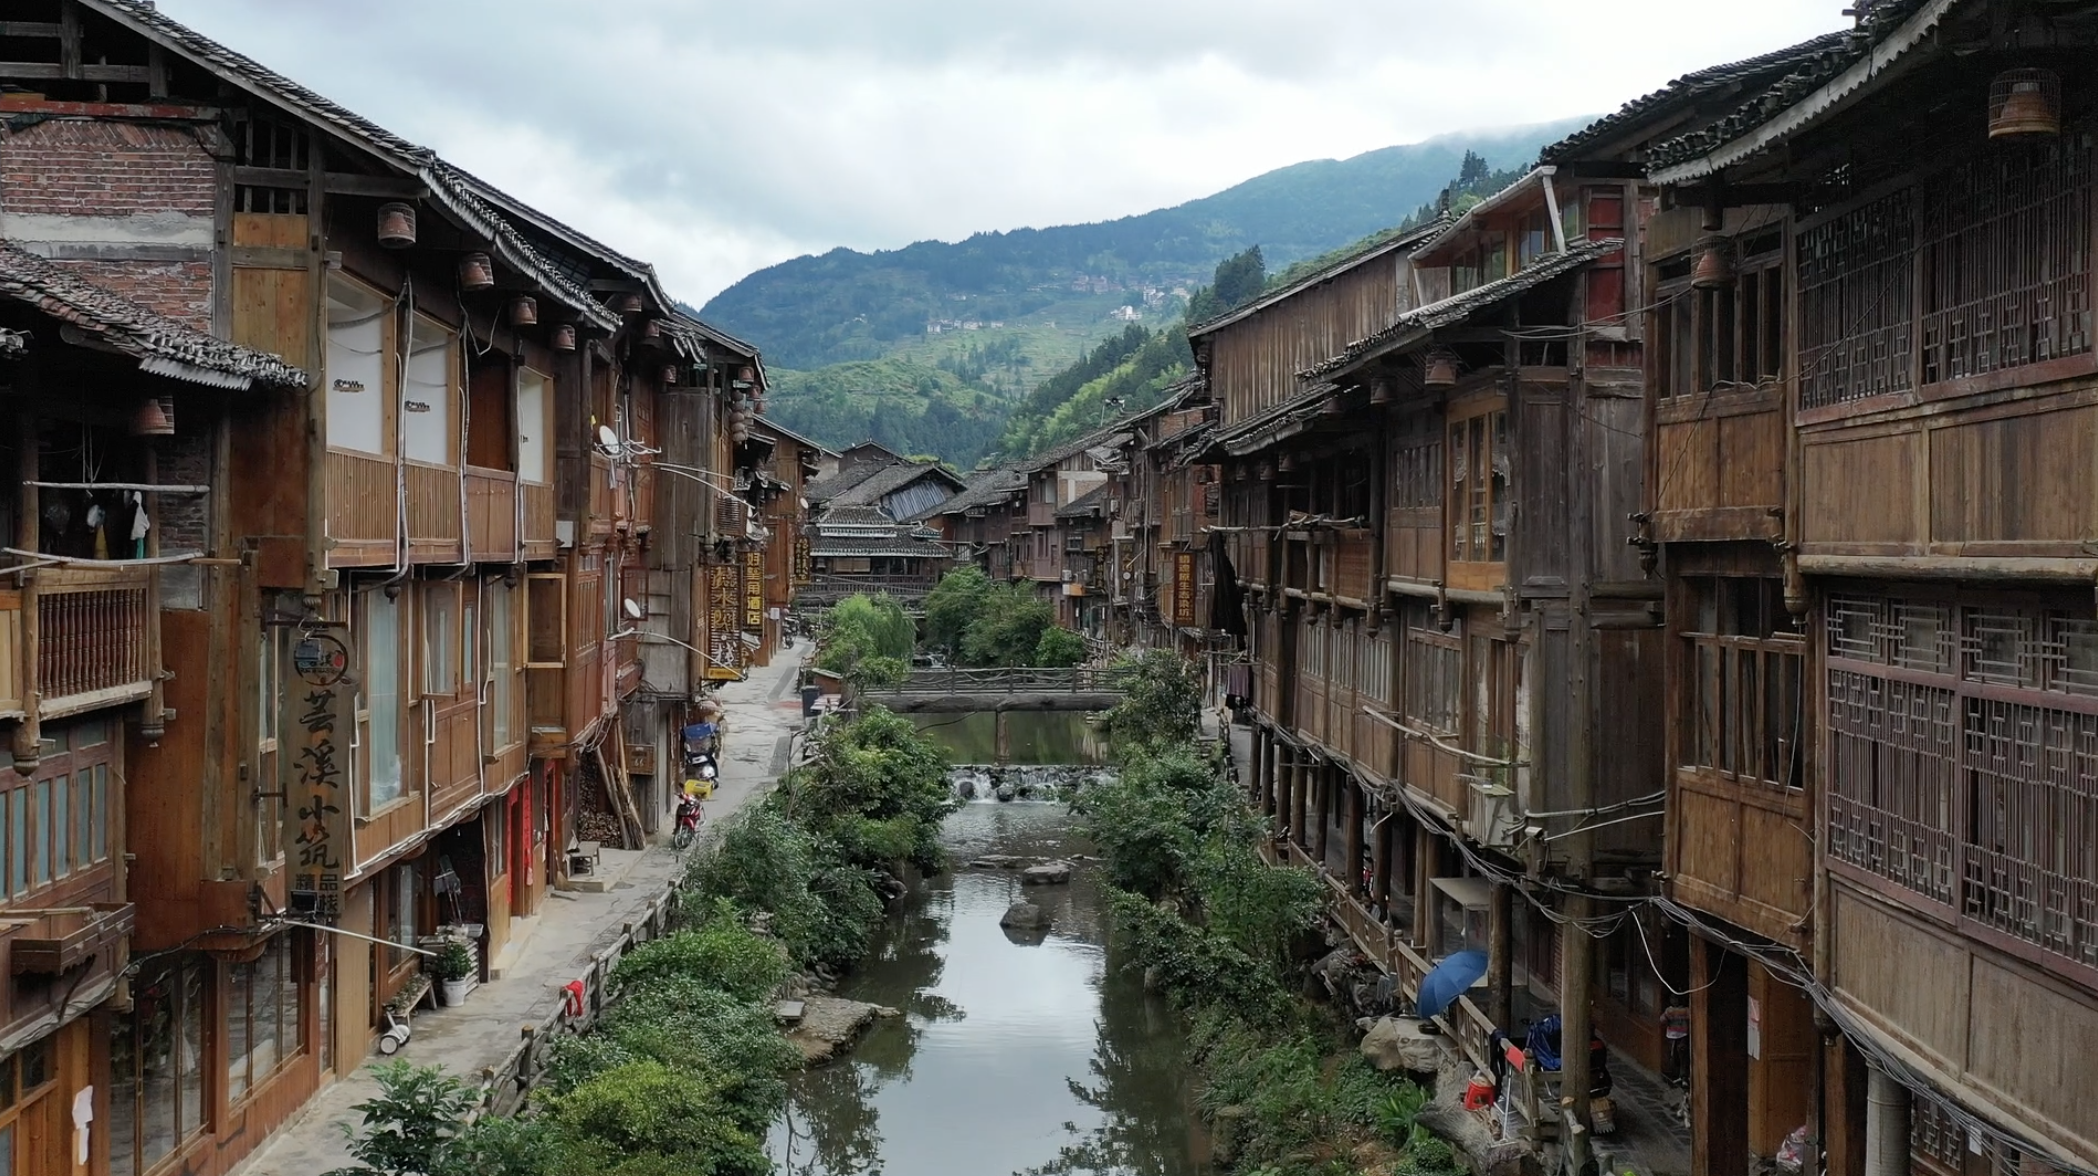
(608, 440)
(632, 610)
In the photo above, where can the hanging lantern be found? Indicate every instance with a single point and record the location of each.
(524, 311)
(1714, 269)
(2025, 102)
(1380, 391)
(564, 337)
(476, 272)
(153, 419)
(745, 377)
(628, 304)
(1441, 370)
(396, 225)
(652, 333)
(1286, 463)
(670, 373)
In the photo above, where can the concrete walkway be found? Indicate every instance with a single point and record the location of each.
(556, 946)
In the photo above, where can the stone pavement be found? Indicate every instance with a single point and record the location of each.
(762, 714)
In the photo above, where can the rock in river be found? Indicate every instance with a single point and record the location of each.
(1046, 874)
(1025, 916)
(830, 1024)
(1396, 1043)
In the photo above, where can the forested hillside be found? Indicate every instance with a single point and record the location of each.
(937, 370)
(845, 305)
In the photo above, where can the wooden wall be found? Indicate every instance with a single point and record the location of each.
(1254, 362)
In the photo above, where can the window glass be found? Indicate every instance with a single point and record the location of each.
(533, 454)
(382, 695)
(18, 841)
(441, 640)
(40, 833)
(356, 367)
(400, 915)
(98, 830)
(61, 827)
(501, 668)
(240, 985)
(426, 396)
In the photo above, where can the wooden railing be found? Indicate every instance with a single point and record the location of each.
(828, 588)
(362, 510)
(96, 632)
(491, 514)
(1042, 680)
(539, 520)
(433, 512)
(10, 653)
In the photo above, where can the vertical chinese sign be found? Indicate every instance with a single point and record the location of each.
(754, 590)
(724, 647)
(317, 719)
(801, 561)
(1184, 588)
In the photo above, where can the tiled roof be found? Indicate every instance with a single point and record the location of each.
(1685, 92)
(1092, 502)
(983, 488)
(1458, 307)
(161, 345)
(900, 546)
(824, 489)
(772, 424)
(1786, 104)
(886, 480)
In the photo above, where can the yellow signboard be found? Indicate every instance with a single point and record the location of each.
(754, 590)
(724, 647)
(1184, 588)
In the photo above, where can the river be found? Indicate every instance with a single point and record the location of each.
(1012, 1057)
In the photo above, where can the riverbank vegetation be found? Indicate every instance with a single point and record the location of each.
(974, 622)
(686, 1069)
(867, 640)
(1223, 935)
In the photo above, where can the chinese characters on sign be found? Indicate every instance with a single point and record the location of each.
(317, 720)
(724, 647)
(1184, 588)
(801, 560)
(754, 590)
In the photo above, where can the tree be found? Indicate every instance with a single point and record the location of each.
(1161, 703)
(1010, 627)
(863, 627)
(1059, 647)
(952, 606)
(1241, 278)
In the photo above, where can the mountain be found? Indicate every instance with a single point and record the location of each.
(908, 407)
(845, 305)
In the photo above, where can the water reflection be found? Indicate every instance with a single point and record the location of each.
(1011, 1058)
(1033, 737)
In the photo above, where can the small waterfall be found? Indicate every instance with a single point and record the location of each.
(996, 782)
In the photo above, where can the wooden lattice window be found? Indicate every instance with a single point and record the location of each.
(1746, 705)
(276, 147)
(1963, 762)
(1417, 470)
(1857, 330)
(1726, 339)
(1434, 673)
(1479, 492)
(2006, 258)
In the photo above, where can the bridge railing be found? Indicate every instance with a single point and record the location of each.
(1010, 680)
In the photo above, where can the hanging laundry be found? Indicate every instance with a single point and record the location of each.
(140, 524)
(96, 516)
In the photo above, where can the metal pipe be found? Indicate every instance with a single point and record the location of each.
(1886, 1125)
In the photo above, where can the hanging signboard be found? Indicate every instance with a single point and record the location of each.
(724, 648)
(1184, 588)
(754, 590)
(801, 561)
(316, 718)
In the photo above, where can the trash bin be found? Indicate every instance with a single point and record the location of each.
(809, 695)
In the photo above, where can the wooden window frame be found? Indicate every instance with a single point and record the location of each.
(48, 820)
(1474, 506)
(546, 592)
(1422, 633)
(389, 365)
(1738, 673)
(454, 390)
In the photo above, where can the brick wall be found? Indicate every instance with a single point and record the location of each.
(130, 184)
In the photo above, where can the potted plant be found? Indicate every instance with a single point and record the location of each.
(454, 966)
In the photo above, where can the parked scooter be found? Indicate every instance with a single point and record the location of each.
(690, 816)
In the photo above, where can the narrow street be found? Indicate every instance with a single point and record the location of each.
(763, 713)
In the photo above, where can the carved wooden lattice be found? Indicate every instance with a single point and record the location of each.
(1856, 309)
(1963, 761)
(2006, 259)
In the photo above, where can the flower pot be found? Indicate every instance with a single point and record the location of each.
(455, 992)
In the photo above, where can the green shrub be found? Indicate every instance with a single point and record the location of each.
(1059, 647)
(646, 1107)
(721, 951)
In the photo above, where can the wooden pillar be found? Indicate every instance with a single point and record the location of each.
(1500, 966)
(1380, 864)
(28, 743)
(1352, 836)
(1843, 1111)
(1002, 737)
(1781, 1068)
(1576, 1019)
(1323, 774)
(1299, 802)
(1718, 1061)
(1424, 858)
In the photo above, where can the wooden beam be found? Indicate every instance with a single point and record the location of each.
(32, 28)
(68, 41)
(47, 71)
(390, 187)
(1718, 1061)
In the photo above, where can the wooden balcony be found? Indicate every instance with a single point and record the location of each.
(97, 637)
(600, 520)
(491, 515)
(539, 542)
(10, 654)
(363, 516)
(59, 940)
(434, 514)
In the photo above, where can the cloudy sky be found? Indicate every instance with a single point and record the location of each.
(713, 137)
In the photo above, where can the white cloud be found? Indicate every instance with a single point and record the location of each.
(712, 137)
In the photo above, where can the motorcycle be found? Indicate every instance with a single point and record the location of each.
(689, 818)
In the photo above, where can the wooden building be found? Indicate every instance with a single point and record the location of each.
(869, 528)
(1871, 459)
(403, 439)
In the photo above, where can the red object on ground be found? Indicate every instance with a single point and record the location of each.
(572, 998)
(1479, 1095)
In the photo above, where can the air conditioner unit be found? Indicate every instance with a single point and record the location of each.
(1492, 820)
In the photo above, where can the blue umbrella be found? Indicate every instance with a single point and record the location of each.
(1447, 981)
